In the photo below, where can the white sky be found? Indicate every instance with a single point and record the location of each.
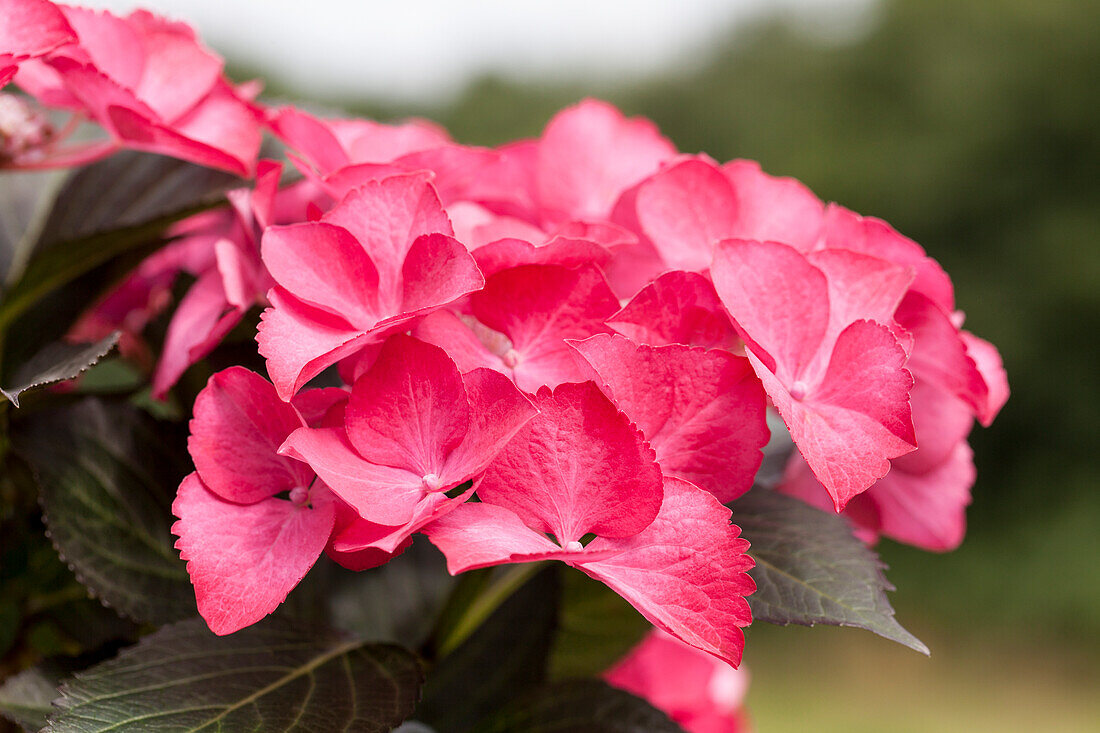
(425, 50)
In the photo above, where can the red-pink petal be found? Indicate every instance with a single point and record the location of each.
(32, 28)
(701, 411)
(988, 361)
(437, 271)
(579, 466)
(238, 425)
(676, 308)
(244, 560)
(497, 412)
(686, 572)
(478, 535)
(505, 253)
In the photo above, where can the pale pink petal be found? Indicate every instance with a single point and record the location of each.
(676, 308)
(686, 572)
(589, 154)
(774, 209)
(310, 137)
(244, 560)
(684, 210)
(579, 466)
(989, 364)
(226, 123)
(860, 287)
(779, 301)
(31, 28)
(178, 71)
(477, 226)
(410, 409)
(238, 425)
(701, 411)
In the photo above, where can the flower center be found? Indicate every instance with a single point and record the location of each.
(22, 127)
(299, 496)
(574, 546)
(510, 358)
(798, 390)
(432, 482)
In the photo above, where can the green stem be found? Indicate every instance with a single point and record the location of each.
(483, 605)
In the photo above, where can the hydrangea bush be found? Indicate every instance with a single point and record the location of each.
(380, 390)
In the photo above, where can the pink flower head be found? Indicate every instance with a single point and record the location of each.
(413, 429)
(523, 317)
(696, 690)
(381, 257)
(817, 332)
(152, 85)
(701, 411)
(247, 546)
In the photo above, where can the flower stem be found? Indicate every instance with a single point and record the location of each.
(476, 598)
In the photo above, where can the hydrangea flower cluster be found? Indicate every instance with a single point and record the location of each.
(562, 348)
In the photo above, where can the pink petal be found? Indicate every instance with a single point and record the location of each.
(779, 301)
(32, 28)
(684, 210)
(505, 253)
(939, 355)
(498, 410)
(860, 287)
(299, 341)
(225, 123)
(940, 422)
(325, 266)
(244, 560)
(589, 154)
(446, 330)
(310, 137)
(478, 535)
(363, 535)
(857, 418)
(676, 308)
(437, 271)
(178, 71)
(988, 361)
(538, 307)
(316, 405)
(579, 466)
(774, 209)
(200, 322)
(238, 425)
(927, 510)
(379, 494)
(386, 217)
(701, 411)
(686, 572)
(845, 229)
(410, 409)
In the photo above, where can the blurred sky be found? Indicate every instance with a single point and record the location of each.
(428, 50)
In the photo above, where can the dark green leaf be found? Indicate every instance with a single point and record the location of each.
(26, 698)
(398, 601)
(104, 210)
(596, 627)
(810, 569)
(505, 657)
(56, 363)
(579, 705)
(270, 677)
(106, 479)
(25, 197)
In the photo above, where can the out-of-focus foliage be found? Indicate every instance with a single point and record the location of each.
(975, 129)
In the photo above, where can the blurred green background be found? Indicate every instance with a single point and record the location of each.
(973, 127)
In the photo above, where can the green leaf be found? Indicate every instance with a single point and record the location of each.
(26, 699)
(103, 211)
(810, 569)
(503, 658)
(57, 363)
(579, 705)
(596, 627)
(25, 198)
(271, 677)
(106, 478)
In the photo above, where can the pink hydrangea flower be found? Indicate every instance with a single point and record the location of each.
(29, 29)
